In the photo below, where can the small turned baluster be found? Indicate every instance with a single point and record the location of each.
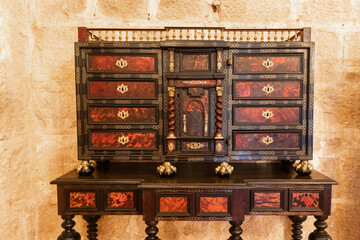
(320, 233)
(151, 230)
(171, 112)
(92, 226)
(69, 233)
(297, 221)
(218, 111)
(235, 230)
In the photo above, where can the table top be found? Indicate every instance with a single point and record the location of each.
(194, 175)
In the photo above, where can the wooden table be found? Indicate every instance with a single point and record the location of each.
(194, 194)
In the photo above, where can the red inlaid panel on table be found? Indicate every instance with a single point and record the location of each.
(256, 115)
(113, 89)
(82, 200)
(120, 199)
(305, 199)
(286, 89)
(267, 199)
(130, 63)
(195, 62)
(213, 204)
(123, 115)
(281, 64)
(123, 139)
(257, 141)
(174, 204)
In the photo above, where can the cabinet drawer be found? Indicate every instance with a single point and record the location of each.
(269, 140)
(216, 205)
(267, 201)
(195, 62)
(134, 139)
(82, 200)
(120, 200)
(267, 89)
(173, 205)
(268, 64)
(305, 200)
(121, 89)
(123, 115)
(123, 63)
(266, 115)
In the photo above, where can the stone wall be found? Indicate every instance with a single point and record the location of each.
(37, 97)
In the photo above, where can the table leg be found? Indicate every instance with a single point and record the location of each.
(69, 233)
(92, 226)
(320, 233)
(151, 230)
(235, 230)
(297, 221)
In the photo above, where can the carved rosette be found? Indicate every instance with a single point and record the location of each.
(219, 114)
(171, 112)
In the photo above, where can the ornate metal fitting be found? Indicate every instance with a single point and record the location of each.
(171, 147)
(122, 88)
(224, 170)
(123, 114)
(171, 91)
(123, 140)
(166, 169)
(268, 89)
(219, 60)
(218, 147)
(267, 140)
(268, 63)
(121, 63)
(195, 145)
(219, 91)
(303, 167)
(171, 64)
(267, 114)
(86, 168)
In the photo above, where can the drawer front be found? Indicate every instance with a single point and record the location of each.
(122, 89)
(82, 200)
(268, 64)
(266, 115)
(195, 62)
(123, 140)
(305, 200)
(123, 115)
(267, 200)
(265, 90)
(270, 140)
(173, 204)
(120, 200)
(213, 205)
(144, 63)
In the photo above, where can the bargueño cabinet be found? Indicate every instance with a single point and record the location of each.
(180, 101)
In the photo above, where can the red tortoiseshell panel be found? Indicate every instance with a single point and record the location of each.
(109, 89)
(173, 204)
(255, 140)
(195, 62)
(255, 115)
(123, 115)
(288, 89)
(285, 64)
(213, 204)
(134, 63)
(305, 199)
(267, 200)
(120, 199)
(116, 140)
(82, 200)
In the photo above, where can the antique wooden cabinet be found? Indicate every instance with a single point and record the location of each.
(194, 98)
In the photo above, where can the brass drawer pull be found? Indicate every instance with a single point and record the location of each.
(267, 140)
(121, 63)
(268, 63)
(123, 140)
(122, 88)
(267, 114)
(268, 89)
(123, 114)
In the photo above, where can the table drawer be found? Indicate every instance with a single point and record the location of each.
(122, 89)
(272, 63)
(267, 200)
(267, 89)
(266, 140)
(262, 115)
(123, 63)
(82, 200)
(124, 200)
(216, 205)
(305, 200)
(123, 115)
(174, 205)
(129, 139)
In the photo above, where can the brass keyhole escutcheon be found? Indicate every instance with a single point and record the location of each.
(121, 63)
(267, 114)
(122, 88)
(268, 63)
(123, 140)
(267, 140)
(268, 89)
(123, 114)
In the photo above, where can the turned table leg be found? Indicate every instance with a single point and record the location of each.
(92, 226)
(151, 230)
(235, 230)
(320, 233)
(69, 233)
(297, 221)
